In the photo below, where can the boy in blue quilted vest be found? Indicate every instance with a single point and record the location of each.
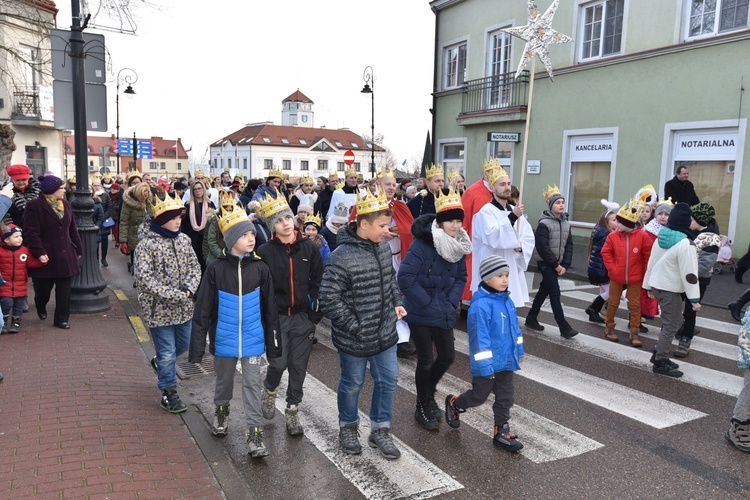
(237, 309)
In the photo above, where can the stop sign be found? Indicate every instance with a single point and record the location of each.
(349, 157)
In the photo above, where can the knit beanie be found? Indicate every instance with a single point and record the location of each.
(48, 184)
(236, 231)
(306, 203)
(167, 216)
(703, 213)
(552, 199)
(492, 266)
(10, 231)
(680, 217)
(663, 207)
(452, 214)
(271, 221)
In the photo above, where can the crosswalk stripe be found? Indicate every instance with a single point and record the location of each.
(543, 439)
(411, 476)
(645, 408)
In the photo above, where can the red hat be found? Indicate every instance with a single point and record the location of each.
(19, 172)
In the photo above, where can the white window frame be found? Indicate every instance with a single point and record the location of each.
(717, 21)
(583, 6)
(499, 95)
(448, 48)
(453, 141)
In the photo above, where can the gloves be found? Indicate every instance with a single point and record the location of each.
(124, 248)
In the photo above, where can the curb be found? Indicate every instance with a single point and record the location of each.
(141, 332)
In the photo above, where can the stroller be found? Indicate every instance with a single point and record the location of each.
(725, 256)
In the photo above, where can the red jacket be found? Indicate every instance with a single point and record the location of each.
(14, 262)
(626, 255)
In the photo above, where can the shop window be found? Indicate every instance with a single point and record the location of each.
(589, 183)
(713, 182)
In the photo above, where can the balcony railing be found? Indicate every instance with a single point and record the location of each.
(495, 93)
(26, 102)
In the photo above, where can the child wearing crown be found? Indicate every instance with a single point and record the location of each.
(296, 269)
(553, 251)
(167, 273)
(312, 231)
(360, 296)
(626, 252)
(213, 242)
(250, 310)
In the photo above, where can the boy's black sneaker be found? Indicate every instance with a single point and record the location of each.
(531, 322)
(220, 426)
(349, 439)
(672, 364)
(567, 331)
(451, 412)
(154, 366)
(505, 440)
(663, 367)
(424, 416)
(382, 440)
(171, 402)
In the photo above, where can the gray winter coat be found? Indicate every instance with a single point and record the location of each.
(359, 295)
(553, 242)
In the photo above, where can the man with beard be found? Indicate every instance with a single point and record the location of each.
(500, 228)
(424, 202)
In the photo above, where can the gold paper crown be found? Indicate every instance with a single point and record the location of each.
(314, 219)
(667, 202)
(228, 219)
(274, 172)
(270, 206)
(226, 198)
(169, 203)
(333, 173)
(631, 211)
(386, 172)
(647, 194)
(551, 191)
(497, 173)
(306, 180)
(453, 174)
(433, 171)
(350, 170)
(370, 202)
(450, 201)
(491, 164)
(226, 169)
(199, 173)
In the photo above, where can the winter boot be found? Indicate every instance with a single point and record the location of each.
(293, 427)
(452, 411)
(6, 324)
(594, 309)
(635, 340)
(505, 440)
(383, 441)
(683, 348)
(423, 416)
(736, 307)
(532, 323)
(610, 334)
(349, 439)
(221, 421)
(567, 331)
(255, 445)
(664, 367)
(15, 324)
(437, 412)
(171, 402)
(739, 434)
(268, 404)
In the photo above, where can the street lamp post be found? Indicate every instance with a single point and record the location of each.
(369, 88)
(130, 77)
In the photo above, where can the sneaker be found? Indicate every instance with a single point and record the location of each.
(739, 434)
(154, 366)
(451, 412)
(349, 439)
(15, 325)
(268, 404)
(663, 367)
(255, 445)
(293, 427)
(382, 440)
(423, 416)
(683, 348)
(221, 421)
(171, 402)
(672, 364)
(531, 322)
(505, 440)
(567, 331)
(105, 263)
(594, 316)
(437, 412)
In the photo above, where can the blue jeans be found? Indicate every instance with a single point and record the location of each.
(384, 372)
(14, 305)
(170, 341)
(549, 287)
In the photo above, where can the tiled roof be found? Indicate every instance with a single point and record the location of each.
(298, 97)
(47, 5)
(161, 147)
(301, 137)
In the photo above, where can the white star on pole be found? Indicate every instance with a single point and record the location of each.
(538, 34)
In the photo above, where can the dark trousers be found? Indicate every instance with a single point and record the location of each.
(295, 348)
(548, 287)
(501, 384)
(688, 315)
(43, 290)
(13, 305)
(429, 370)
(103, 240)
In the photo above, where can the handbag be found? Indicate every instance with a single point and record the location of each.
(108, 223)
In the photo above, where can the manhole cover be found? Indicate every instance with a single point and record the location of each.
(185, 369)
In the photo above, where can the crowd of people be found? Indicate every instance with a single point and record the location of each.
(253, 266)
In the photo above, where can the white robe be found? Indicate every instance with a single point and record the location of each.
(493, 234)
(349, 200)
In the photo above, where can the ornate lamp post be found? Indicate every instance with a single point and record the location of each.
(130, 77)
(369, 88)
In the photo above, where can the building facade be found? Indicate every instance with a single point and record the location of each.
(296, 147)
(644, 88)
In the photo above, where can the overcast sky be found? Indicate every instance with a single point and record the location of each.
(207, 68)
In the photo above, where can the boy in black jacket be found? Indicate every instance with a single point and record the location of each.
(296, 268)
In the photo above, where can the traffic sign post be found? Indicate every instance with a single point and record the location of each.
(349, 157)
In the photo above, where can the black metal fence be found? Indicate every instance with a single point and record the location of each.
(495, 93)
(26, 102)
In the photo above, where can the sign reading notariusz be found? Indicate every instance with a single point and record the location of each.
(503, 137)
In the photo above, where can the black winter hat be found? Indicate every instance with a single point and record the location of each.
(680, 217)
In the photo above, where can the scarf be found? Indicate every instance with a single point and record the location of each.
(451, 248)
(653, 227)
(333, 229)
(201, 223)
(163, 232)
(57, 205)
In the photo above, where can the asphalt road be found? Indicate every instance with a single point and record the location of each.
(595, 421)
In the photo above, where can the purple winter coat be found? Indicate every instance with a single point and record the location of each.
(47, 234)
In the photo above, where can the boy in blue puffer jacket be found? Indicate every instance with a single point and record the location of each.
(236, 307)
(495, 348)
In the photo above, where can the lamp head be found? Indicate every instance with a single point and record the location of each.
(366, 89)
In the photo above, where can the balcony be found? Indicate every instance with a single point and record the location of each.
(27, 108)
(485, 98)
